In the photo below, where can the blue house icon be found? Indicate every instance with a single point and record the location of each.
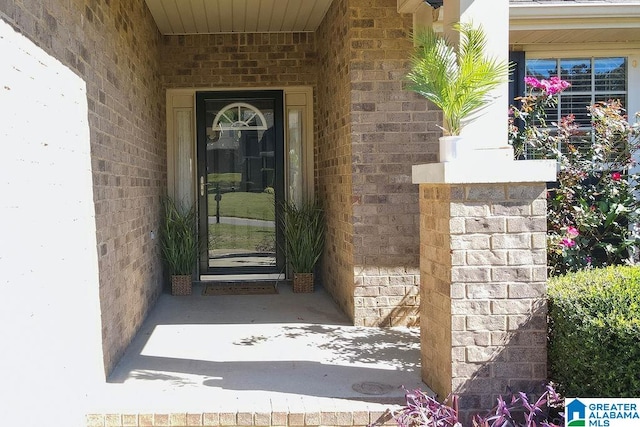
(575, 410)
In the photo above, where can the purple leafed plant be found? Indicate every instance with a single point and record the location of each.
(422, 410)
(520, 412)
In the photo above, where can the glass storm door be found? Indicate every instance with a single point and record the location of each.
(240, 181)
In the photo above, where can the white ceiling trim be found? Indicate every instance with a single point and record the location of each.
(181, 17)
(574, 24)
(598, 24)
(575, 10)
(574, 16)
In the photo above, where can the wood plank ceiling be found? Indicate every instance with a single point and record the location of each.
(531, 23)
(237, 16)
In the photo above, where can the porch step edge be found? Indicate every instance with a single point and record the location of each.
(320, 417)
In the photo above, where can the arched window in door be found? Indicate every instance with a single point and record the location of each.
(236, 117)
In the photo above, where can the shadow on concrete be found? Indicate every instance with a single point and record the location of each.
(283, 344)
(291, 377)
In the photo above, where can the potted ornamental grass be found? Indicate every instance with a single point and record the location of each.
(457, 79)
(304, 235)
(179, 242)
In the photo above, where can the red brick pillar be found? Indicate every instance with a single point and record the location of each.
(483, 279)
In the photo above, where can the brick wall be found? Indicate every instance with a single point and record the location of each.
(370, 132)
(239, 60)
(113, 47)
(435, 294)
(391, 131)
(333, 152)
(484, 279)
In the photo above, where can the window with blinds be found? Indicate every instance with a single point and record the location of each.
(592, 80)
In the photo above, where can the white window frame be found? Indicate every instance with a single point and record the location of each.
(633, 72)
(633, 68)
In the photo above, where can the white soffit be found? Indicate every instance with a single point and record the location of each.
(602, 22)
(237, 16)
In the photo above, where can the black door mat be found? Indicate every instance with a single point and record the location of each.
(240, 288)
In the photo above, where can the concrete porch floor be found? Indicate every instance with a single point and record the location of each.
(282, 359)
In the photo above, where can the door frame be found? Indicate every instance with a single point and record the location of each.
(277, 96)
(182, 180)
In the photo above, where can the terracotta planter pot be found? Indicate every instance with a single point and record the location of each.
(181, 285)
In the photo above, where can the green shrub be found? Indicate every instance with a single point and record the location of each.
(594, 339)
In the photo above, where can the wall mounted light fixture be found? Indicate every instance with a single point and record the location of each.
(434, 3)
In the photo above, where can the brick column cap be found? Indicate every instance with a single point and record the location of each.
(471, 172)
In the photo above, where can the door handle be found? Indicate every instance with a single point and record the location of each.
(202, 186)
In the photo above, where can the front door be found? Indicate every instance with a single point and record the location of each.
(240, 181)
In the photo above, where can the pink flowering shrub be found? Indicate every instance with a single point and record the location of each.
(529, 132)
(552, 86)
(592, 207)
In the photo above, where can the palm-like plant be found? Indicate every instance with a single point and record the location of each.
(458, 81)
(303, 229)
(179, 237)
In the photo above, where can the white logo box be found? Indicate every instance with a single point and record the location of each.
(602, 412)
